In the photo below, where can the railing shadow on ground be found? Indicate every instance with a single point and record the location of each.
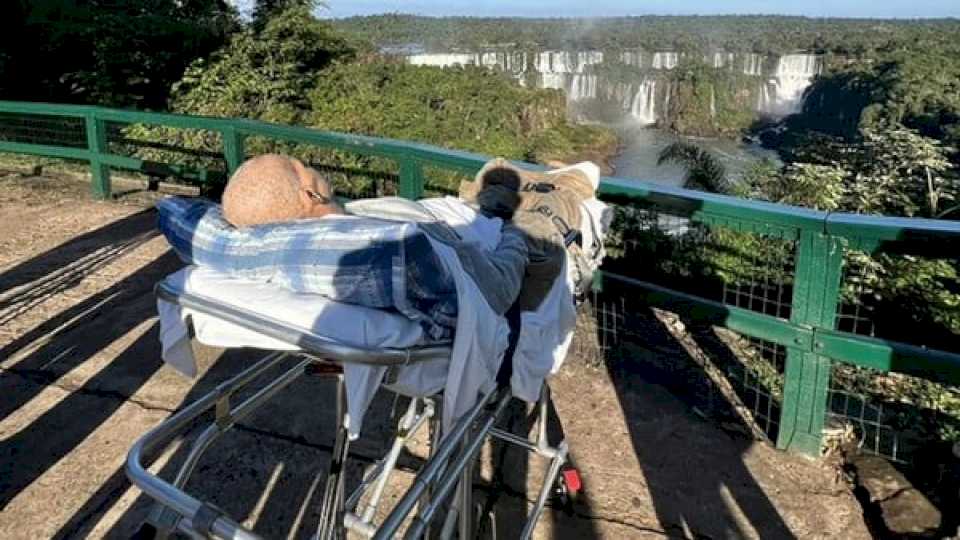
(288, 457)
(64, 266)
(62, 344)
(699, 486)
(271, 468)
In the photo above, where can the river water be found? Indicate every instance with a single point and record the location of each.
(640, 147)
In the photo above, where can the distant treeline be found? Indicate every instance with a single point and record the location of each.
(761, 34)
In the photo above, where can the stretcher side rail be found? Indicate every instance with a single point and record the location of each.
(310, 343)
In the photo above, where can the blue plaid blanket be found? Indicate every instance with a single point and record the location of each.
(358, 260)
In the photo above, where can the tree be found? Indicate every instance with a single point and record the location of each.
(265, 74)
(901, 172)
(800, 184)
(264, 10)
(704, 171)
(119, 53)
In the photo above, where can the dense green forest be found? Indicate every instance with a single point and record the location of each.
(761, 34)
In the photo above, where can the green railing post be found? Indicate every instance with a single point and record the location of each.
(97, 145)
(816, 293)
(411, 179)
(233, 151)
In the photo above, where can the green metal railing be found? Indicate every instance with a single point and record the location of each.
(818, 240)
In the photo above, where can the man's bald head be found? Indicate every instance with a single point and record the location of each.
(272, 188)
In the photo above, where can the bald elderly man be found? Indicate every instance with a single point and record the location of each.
(273, 188)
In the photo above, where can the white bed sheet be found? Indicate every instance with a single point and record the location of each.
(349, 324)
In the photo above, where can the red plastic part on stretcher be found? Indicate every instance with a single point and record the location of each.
(571, 478)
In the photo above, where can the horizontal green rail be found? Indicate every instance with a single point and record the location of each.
(809, 336)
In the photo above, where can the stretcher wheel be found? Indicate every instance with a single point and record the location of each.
(568, 489)
(145, 532)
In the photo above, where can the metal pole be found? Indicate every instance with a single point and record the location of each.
(420, 522)
(97, 145)
(331, 511)
(432, 469)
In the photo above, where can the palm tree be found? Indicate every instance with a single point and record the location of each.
(704, 171)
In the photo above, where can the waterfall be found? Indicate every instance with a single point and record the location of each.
(644, 107)
(717, 60)
(783, 94)
(557, 81)
(720, 59)
(665, 60)
(781, 81)
(442, 60)
(753, 64)
(632, 58)
(565, 62)
(582, 87)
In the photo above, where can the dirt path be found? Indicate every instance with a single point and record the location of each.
(81, 378)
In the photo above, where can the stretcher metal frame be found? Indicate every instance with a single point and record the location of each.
(444, 484)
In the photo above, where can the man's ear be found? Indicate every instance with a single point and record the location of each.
(304, 184)
(305, 201)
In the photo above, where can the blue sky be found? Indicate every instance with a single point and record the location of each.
(582, 8)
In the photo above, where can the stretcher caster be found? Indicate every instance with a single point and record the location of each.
(568, 489)
(145, 532)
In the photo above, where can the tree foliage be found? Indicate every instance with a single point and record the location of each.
(117, 53)
(890, 171)
(917, 86)
(263, 74)
(465, 108)
(704, 171)
(264, 10)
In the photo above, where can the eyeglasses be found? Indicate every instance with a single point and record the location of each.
(322, 199)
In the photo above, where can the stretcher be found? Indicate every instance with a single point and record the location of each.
(440, 497)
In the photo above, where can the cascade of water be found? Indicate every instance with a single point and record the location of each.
(644, 108)
(784, 93)
(588, 58)
(493, 59)
(753, 64)
(442, 60)
(632, 58)
(582, 87)
(665, 60)
(780, 92)
(718, 59)
(565, 62)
